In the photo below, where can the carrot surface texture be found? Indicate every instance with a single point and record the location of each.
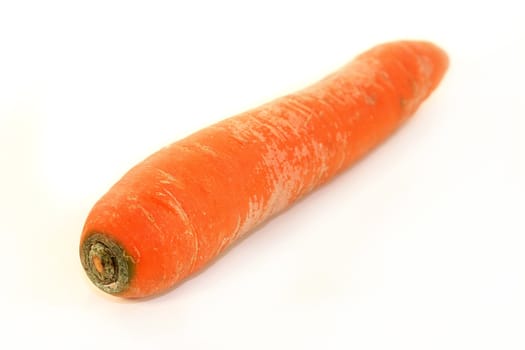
(177, 210)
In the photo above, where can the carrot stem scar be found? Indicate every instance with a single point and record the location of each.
(106, 263)
(177, 210)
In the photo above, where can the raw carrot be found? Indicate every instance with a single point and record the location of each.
(174, 212)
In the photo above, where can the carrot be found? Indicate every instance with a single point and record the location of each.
(174, 212)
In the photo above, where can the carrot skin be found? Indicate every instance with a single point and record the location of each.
(174, 212)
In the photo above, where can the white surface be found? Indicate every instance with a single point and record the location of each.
(420, 246)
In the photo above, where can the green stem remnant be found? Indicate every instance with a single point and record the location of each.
(106, 263)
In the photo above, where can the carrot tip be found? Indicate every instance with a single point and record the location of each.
(106, 263)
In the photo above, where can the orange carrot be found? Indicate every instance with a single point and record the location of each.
(178, 209)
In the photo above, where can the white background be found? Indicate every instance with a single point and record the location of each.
(419, 246)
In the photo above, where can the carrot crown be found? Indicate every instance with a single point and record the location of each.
(106, 263)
